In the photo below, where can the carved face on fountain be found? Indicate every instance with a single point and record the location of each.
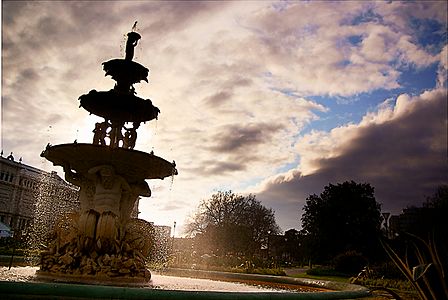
(107, 174)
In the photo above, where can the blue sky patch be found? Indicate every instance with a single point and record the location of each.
(365, 16)
(417, 80)
(355, 40)
(430, 34)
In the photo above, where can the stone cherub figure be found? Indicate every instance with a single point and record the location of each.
(130, 136)
(100, 133)
(115, 134)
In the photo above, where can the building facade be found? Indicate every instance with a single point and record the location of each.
(23, 189)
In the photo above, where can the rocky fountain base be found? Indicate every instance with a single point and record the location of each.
(122, 264)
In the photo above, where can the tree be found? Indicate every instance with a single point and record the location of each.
(430, 221)
(439, 200)
(438, 224)
(344, 217)
(232, 223)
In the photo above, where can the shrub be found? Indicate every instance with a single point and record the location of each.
(350, 262)
(268, 271)
(402, 285)
(387, 270)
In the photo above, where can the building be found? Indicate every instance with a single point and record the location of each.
(24, 190)
(416, 220)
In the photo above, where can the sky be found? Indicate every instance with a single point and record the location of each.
(274, 98)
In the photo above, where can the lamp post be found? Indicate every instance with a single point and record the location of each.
(174, 229)
(172, 240)
(267, 249)
(174, 233)
(386, 216)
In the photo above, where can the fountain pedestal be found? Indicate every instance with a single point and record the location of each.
(101, 242)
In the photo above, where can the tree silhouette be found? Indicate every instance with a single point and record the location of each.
(344, 217)
(232, 223)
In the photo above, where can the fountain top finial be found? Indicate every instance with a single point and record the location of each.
(132, 41)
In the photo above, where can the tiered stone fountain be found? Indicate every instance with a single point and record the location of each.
(101, 243)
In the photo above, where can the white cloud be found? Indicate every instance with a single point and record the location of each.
(442, 72)
(306, 35)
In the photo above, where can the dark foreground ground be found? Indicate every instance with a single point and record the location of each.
(376, 294)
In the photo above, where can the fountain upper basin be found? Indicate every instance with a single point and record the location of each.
(133, 165)
(112, 105)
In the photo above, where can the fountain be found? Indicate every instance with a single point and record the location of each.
(100, 250)
(101, 242)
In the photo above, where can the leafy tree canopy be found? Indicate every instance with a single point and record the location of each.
(228, 222)
(343, 217)
(439, 200)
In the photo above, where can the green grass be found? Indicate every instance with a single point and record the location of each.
(262, 271)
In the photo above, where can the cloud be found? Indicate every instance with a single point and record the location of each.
(305, 35)
(222, 167)
(400, 149)
(442, 72)
(232, 79)
(243, 137)
(218, 98)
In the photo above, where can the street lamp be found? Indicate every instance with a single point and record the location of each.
(386, 216)
(172, 239)
(174, 229)
(269, 233)
(174, 233)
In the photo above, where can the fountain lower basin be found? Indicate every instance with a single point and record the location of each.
(132, 164)
(203, 285)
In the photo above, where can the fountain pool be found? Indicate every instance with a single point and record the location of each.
(22, 283)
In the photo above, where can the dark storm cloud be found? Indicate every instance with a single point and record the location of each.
(29, 74)
(218, 98)
(237, 138)
(222, 167)
(237, 81)
(405, 159)
(235, 148)
(229, 86)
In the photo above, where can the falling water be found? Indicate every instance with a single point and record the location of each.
(123, 45)
(52, 203)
